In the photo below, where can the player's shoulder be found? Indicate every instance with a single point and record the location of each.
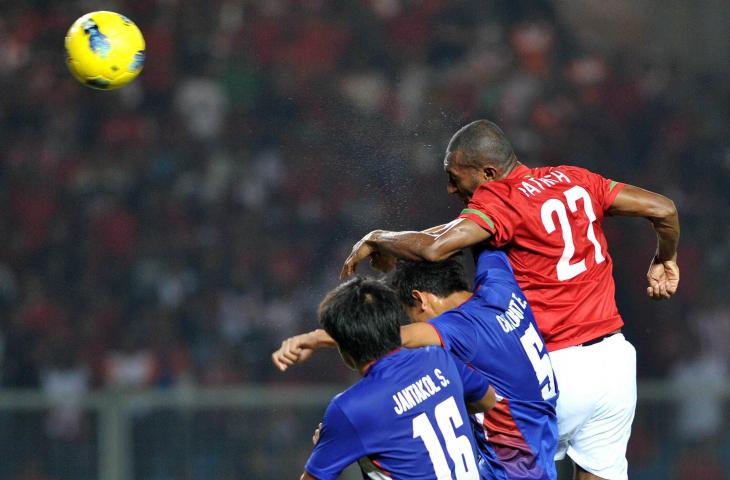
(352, 402)
(524, 180)
(573, 172)
(429, 351)
(458, 321)
(454, 315)
(556, 171)
(434, 357)
(344, 396)
(425, 356)
(411, 356)
(490, 259)
(555, 179)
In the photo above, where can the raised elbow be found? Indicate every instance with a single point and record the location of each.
(664, 210)
(433, 254)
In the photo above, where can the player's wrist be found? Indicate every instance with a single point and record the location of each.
(319, 339)
(662, 258)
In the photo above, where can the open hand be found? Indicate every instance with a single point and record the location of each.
(663, 279)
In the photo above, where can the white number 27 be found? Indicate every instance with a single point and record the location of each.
(566, 270)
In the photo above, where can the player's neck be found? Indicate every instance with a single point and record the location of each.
(507, 171)
(456, 299)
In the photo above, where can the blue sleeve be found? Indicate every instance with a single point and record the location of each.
(338, 446)
(492, 266)
(475, 384)
(457, 334)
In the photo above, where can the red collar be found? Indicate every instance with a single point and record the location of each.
(520, 171)
(368, 365)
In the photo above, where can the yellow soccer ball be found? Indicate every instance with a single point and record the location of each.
(104, 50)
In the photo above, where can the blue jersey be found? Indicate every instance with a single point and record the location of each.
(496, 333)
(407, 417)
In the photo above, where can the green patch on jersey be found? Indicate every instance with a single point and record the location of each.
(480, 215)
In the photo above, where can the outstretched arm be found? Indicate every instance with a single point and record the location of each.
(432, 245)
(386, 263)
(299, 348)
(419, 334)
(663, 275)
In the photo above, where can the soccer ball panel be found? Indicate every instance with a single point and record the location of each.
(105, 50)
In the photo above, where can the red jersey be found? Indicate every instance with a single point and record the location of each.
(548, 221)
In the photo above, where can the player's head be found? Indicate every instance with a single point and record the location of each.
(477, 153)
(426, 287)
(364, 317)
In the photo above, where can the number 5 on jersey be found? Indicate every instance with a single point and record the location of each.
(535, 349)
(565, 269)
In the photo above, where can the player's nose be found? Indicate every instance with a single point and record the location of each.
(451, 188)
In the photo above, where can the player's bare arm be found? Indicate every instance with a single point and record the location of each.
(431, 247)
(488, 401)
(663, 274)
(299, 348)
(438, 229)
(386, 263)
(306, 476)
(419, 334)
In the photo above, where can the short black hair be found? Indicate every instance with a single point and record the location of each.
(439, 278)
(483, 142)
(363, 316)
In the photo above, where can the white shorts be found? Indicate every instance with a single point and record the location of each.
(596, 404)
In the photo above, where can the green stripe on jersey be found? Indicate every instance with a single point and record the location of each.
(613, 184)
(480, 215)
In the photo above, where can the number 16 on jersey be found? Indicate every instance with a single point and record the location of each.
(460, 450)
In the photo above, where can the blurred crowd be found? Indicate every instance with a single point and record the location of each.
(175, 231)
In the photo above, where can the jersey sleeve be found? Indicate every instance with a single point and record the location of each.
(604, 190)
(339, 445)
(491, 208)
(611, 189)
(475, 384)
(457, 335)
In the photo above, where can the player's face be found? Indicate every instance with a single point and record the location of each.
(462, 179)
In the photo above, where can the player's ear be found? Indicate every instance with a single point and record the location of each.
(348, 360)
(490, 173)
(420, 298)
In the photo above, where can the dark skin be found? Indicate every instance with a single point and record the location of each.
(464, 177)
(441, 242)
